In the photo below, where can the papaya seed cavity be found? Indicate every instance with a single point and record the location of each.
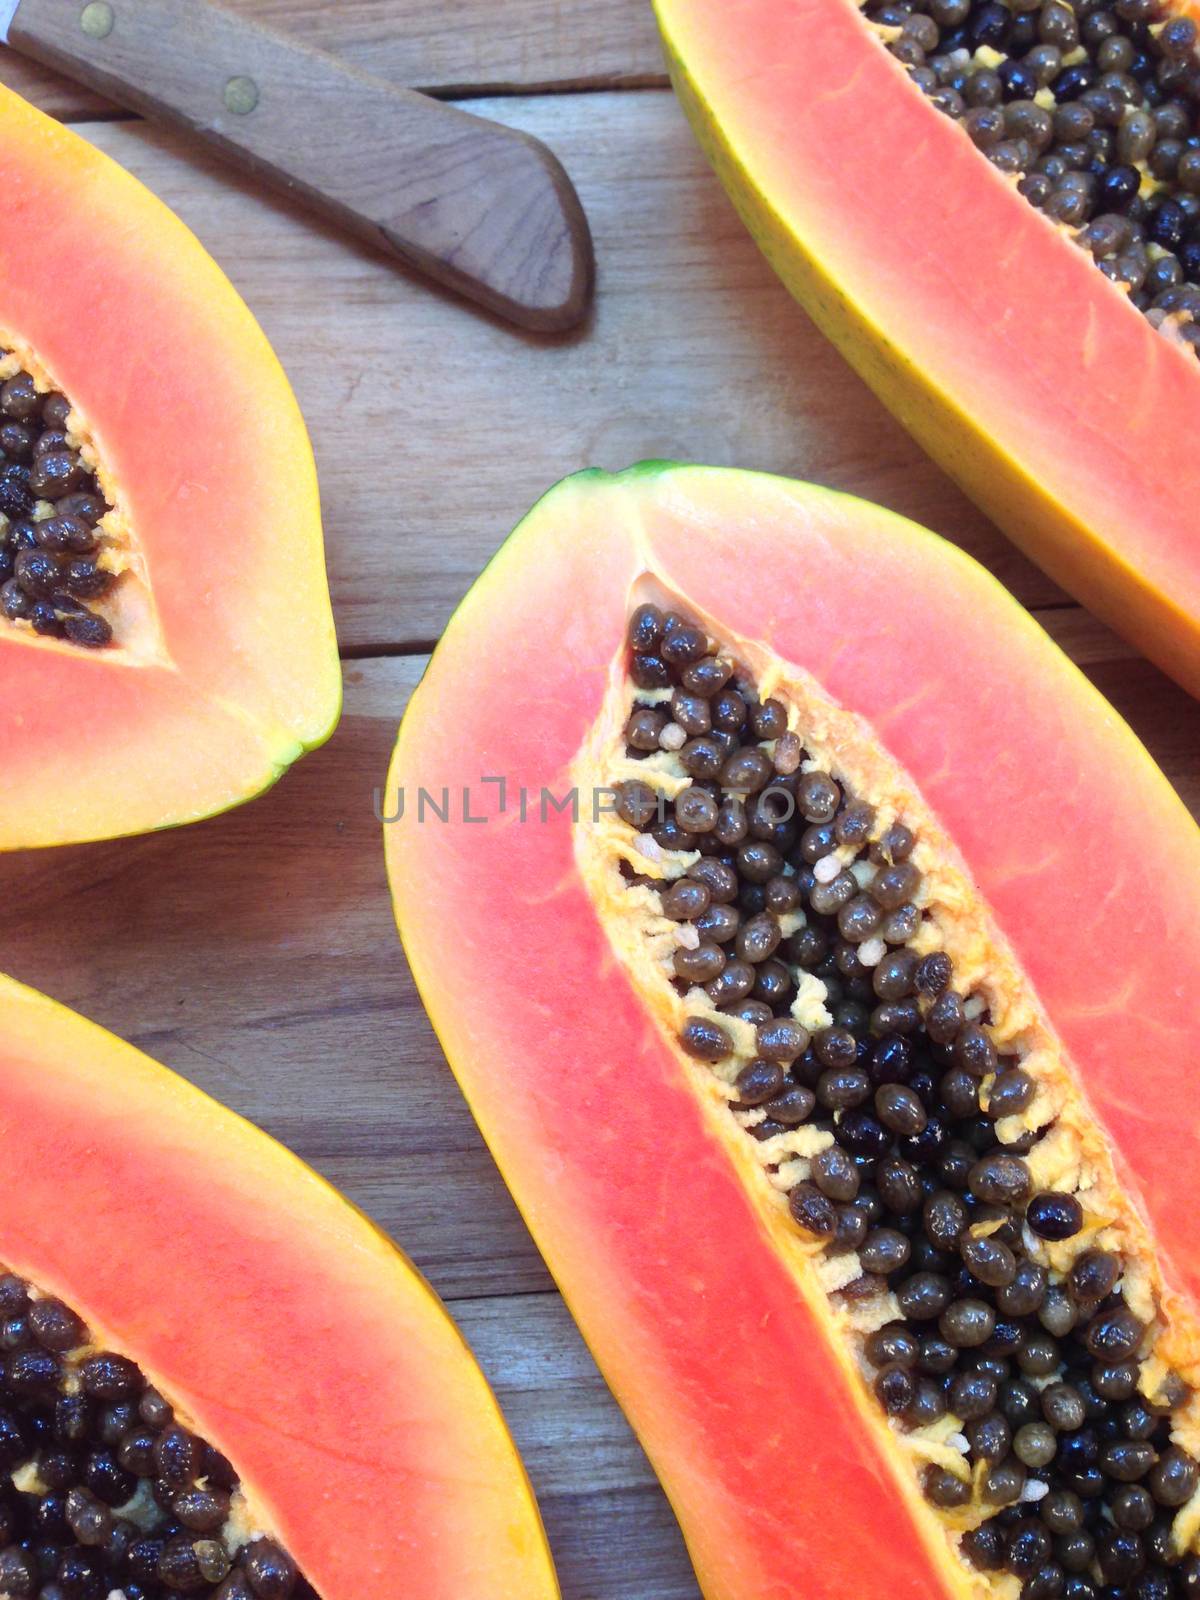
(53, 542)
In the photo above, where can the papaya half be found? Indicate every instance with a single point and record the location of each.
(855, 143)
(217, 1378)
(165, 629)
(816, 949)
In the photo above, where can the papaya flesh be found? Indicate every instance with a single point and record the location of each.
(134, 378)
(1055, 878)
(1019, 367)
(357, 1440)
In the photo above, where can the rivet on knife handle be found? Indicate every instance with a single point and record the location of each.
(483, 209)
(97, 19)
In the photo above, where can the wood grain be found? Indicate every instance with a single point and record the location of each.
(613, 1534)
(49, 90)
(479, 207)
(436, 428)
(459, 47)
(475, 45)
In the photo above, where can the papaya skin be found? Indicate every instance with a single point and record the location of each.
(228, 670)
(993, 339)
(712, 1331)
(285, 1327)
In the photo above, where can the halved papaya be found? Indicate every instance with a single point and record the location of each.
(817, 951)
(166, 639)
(1032, 378)
(216, 1377)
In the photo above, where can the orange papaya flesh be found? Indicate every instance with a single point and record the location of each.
(729, 1334)
(280, 1325)
(1021, 369)
(223, 666)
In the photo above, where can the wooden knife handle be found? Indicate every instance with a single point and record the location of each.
(479, 207)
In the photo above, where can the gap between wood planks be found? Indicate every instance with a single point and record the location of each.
(1064, 620)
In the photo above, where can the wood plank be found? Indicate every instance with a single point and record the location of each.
(555, 1400)
(618, 1546)
(255, 954)
(612, 1531)
(449, 46)
(437, 428)
(53, 93)
(471, 45)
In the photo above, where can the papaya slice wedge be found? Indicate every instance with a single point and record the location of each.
(1022, 370)
(852, 1136)
(251, 1344)
(159, 499)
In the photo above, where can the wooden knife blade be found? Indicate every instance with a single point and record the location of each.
(481, 208)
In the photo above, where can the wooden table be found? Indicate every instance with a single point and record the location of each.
(256, 953)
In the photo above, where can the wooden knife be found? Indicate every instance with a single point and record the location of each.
(481, 208)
